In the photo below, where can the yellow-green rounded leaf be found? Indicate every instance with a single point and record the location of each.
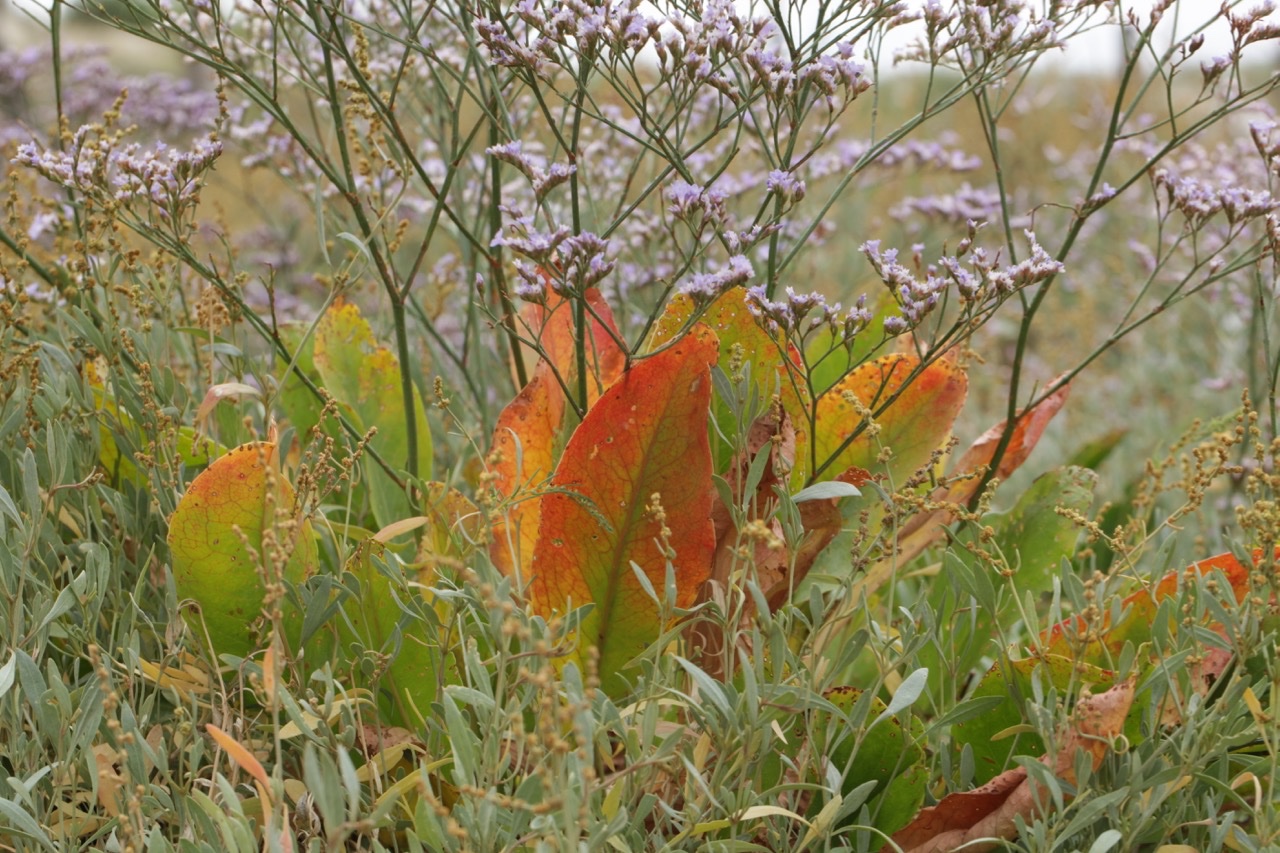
(216, 541)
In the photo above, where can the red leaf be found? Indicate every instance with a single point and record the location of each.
(533, 428)
(645, 437)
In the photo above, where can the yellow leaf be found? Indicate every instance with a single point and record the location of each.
(757, 812)
(1255, 707)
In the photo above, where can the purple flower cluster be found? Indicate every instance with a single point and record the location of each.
(161, 103)
(524, 238)
(838, 78)
(543, 177)
(712, 49)
(846, 155)
(790, 315)
(970, 33)
(703, 288)
(584, 259)
(167, 178)
(693, 203)
(785, 186)
(17, 67)
(569, 263)
(1199, 200)
(964, 204)
(980, 278)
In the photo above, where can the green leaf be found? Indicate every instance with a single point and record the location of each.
(378, 618)
(365, 378)
(886, 752)
(1011, 682)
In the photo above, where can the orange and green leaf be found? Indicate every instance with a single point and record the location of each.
(913, 407)
(645, 439)
(532, 430)
(216, 540)
(1030, 426)
(1072, 637)
(775, 367)
(925, 528)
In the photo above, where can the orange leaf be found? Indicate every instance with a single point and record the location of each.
(965, 819)
(241, 756)
(1026, 434)
(533, 428)
(645, 437)
(914, 415)
(552, 327)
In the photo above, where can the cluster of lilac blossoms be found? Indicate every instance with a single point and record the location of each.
(720, 48)
(165, 177)
(803, 312)
(569, 263)
(694, 203)
(977, 280)
(542, 177)
(704, 288)
(1199, 200)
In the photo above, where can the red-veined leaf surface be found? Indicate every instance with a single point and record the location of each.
(646, 436)
(773, 367)
(914, 425)
(532, 430)
(551, 325)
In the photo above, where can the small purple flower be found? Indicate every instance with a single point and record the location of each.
(530, 284)
(584, 259)
(785, 185)
(513, 153)
(690, 201)
(704, 288)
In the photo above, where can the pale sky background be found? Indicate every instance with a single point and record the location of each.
(1091, 51)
